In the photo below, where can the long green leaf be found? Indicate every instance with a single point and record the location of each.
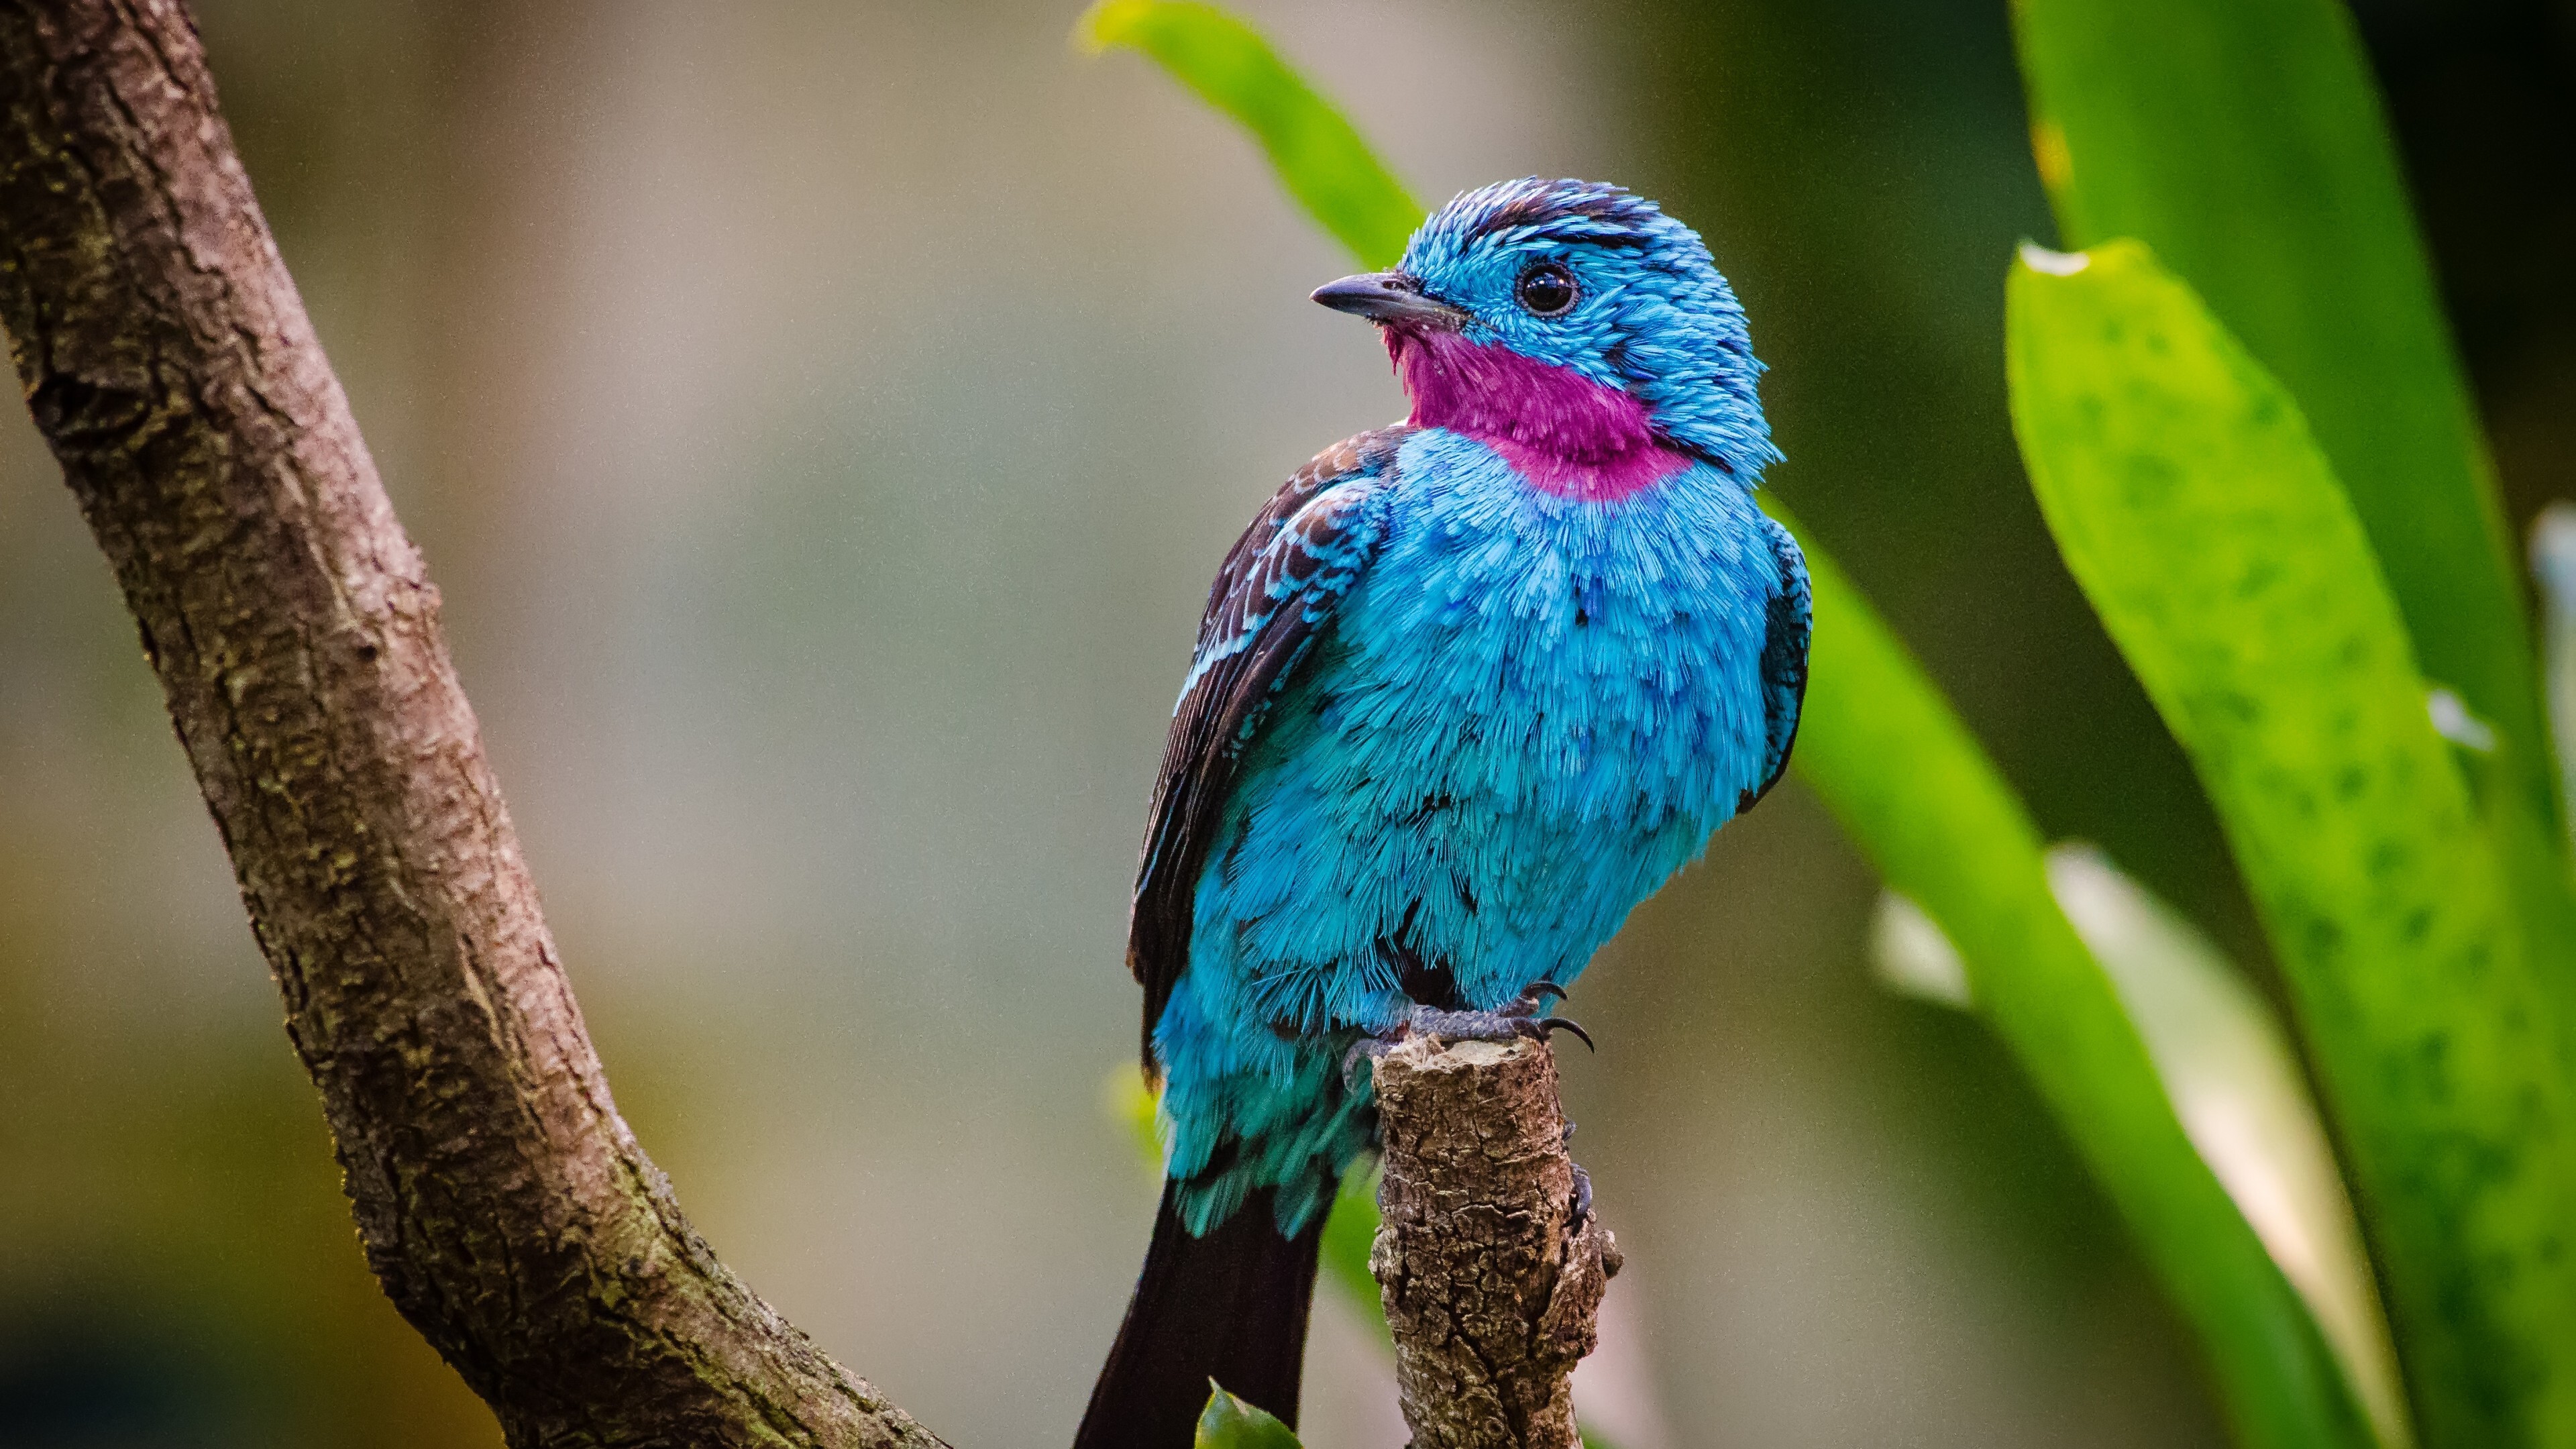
(2210, 533)
(1885, 751)
(2237, 1084)
(2233, 1078)
(1909, 783)
(2243, 140)
(1317, 155)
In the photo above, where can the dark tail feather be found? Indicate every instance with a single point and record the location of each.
(1230, 1307)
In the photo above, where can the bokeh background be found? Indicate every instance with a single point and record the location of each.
(823, 419)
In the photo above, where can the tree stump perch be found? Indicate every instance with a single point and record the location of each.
(1490, 1270)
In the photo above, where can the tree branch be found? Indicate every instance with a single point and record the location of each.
(1490, 1274)
(502, 1202)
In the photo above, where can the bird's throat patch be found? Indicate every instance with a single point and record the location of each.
(1563, 432)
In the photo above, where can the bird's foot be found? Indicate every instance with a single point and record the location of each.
(1518, 1020)
(1513, 1023)
(1521, 1018)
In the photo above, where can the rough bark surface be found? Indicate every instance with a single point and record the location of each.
(1490, 1275)
(502, 1201)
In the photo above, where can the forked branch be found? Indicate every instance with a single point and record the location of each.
(501, 1200)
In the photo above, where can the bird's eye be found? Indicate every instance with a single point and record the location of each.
(1546, 290)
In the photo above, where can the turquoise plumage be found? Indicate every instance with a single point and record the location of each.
(1467, 690)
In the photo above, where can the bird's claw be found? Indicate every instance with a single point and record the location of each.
(1534, 998)
(1539, 996)
(1548, 1024)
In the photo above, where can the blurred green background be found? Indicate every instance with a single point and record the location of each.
(823, 420)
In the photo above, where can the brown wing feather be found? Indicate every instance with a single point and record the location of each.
(1256, 626)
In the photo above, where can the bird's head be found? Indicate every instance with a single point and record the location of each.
(1576, 327)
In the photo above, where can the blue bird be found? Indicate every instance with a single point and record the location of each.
(1468, 689)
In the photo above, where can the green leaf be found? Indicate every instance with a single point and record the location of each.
(1883, 748)
(1317, 155)
(2238, 1087)
(1126, 1099)
(2210, 533)
(1229, 1423)
(2233, 1079)
(1349, 1232)
(1896, 766)
(2243, 140)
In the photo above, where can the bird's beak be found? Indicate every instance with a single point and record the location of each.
(1390, 298)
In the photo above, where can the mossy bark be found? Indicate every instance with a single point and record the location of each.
(503, 1203)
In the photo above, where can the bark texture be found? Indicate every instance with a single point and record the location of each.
(1490, 1273)
(501, 1200)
